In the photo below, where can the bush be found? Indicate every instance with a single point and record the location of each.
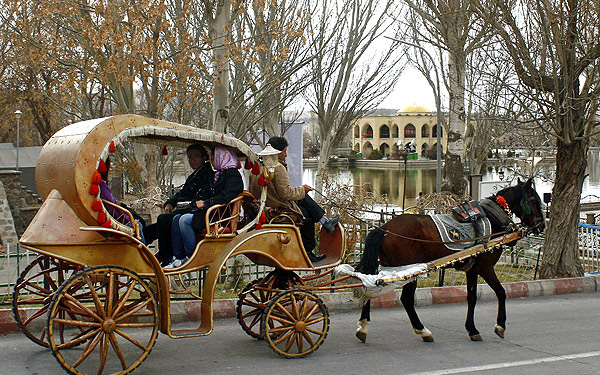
(376, 154)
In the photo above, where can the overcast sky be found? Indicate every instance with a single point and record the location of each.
(411, 88)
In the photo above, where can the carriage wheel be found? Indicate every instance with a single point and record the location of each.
(255, 296)
(34, 288)
(118, 337)
(295, 323)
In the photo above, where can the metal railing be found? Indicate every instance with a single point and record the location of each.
(589, 247)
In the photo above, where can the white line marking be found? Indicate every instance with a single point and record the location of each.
(494, 366)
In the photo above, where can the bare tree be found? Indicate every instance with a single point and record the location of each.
(448, 25)
(350, 74)
(554, 47)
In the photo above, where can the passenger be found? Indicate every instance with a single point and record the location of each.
(226, 185)
(295, 200)
(197, 182)
(117, 213)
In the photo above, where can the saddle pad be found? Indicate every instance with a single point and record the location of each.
(451, 230)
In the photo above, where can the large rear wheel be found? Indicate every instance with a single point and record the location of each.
(118, 323)
(33, 293)
(295, 323)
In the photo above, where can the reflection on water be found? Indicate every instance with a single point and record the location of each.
(391, 181)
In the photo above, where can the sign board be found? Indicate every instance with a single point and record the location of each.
(294, 151)
(487, 188)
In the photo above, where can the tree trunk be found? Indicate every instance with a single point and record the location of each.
(324, 155)
(453, 167)
(561, 258)
(219, 33)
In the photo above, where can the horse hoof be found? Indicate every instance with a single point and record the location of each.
(427, 338)
(476, 337)
(361, 336)
(499, 331)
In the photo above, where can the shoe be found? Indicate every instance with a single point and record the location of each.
(315, 258)
(331, 224)
(176, 263)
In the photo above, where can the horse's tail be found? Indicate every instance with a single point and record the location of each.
(369, 263)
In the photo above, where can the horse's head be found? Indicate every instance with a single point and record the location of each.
(525, 202)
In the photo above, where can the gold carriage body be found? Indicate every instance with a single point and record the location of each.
(66, 227)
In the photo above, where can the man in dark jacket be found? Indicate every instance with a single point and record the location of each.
(194, 185)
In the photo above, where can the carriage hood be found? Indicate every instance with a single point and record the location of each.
(70, 159)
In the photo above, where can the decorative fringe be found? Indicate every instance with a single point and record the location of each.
(111, 147)
(262, 181)
(255, 169)
(164, 151)
(101, 218)
(106, 224)
(239, 166)
(96, 178)
(102, 167)
(248, 164)
(97, 205)
(94, 189)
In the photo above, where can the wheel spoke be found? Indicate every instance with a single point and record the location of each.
(117, 348)
(131, 339)
(299, 342)
(290, 342)
(89, 348)
(295, 311)
(95, 297)
(283, 337)
(36, 315)
(285, 311)
(84, 309)
(312, 311)
(135, 325)
(308, 338)
(314, 321)
(133, 310)
(123, 299)
(77, 323)
(78, 339)
(111, 289)
(320, 333)
(103, 353)
(281, 320)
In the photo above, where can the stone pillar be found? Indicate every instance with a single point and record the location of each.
(7, 225)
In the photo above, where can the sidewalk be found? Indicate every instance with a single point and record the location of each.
(343, 301)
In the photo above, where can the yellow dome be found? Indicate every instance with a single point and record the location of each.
(414, 108)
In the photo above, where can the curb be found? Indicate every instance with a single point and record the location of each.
(343, 301)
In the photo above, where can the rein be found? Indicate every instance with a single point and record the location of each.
(406, 237)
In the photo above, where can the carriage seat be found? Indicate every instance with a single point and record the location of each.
(133, 229)
(223, 219)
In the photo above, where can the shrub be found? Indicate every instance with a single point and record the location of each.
(375, 154)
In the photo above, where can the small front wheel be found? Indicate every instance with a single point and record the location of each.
(295, 323)
(117, 321)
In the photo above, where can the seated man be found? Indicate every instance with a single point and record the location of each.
(280, 195)
(196, 182)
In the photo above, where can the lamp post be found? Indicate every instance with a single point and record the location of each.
(18, 113)
(438, 171)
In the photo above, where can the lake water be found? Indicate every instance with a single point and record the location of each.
(390, 181)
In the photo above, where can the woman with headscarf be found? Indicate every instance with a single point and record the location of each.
(227, 184)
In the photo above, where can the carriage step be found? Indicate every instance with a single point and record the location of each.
(181, 333)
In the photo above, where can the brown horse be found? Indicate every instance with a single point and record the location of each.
(408, 239)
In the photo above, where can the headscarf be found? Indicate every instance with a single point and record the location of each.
(224, 159)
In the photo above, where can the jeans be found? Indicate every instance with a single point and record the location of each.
(183, 236)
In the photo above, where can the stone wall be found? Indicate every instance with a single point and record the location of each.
(23, 204)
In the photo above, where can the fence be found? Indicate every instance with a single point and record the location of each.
(516, 263)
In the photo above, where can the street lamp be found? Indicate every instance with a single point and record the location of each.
(438, 171)
(18, 113)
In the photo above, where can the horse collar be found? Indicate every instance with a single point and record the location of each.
(496, 212)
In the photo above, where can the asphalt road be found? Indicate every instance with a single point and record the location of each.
(552, 335)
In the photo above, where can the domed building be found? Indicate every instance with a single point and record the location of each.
(414, 123)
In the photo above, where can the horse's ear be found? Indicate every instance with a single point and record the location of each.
(528, 182)
(518, 180)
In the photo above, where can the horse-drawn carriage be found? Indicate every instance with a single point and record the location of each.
(97, 296)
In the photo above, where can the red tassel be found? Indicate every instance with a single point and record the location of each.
(111, 147)
(102, 167)
(259, 226)
(101, 218)
(164, 151)
(262, 181)
(263, 218)
(94, 189)
(106, 224)
(96, 178)
(255, 169)
(97, 205)
(239, 166)
(248, 164)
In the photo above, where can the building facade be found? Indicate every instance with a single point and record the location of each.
(414, 123)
